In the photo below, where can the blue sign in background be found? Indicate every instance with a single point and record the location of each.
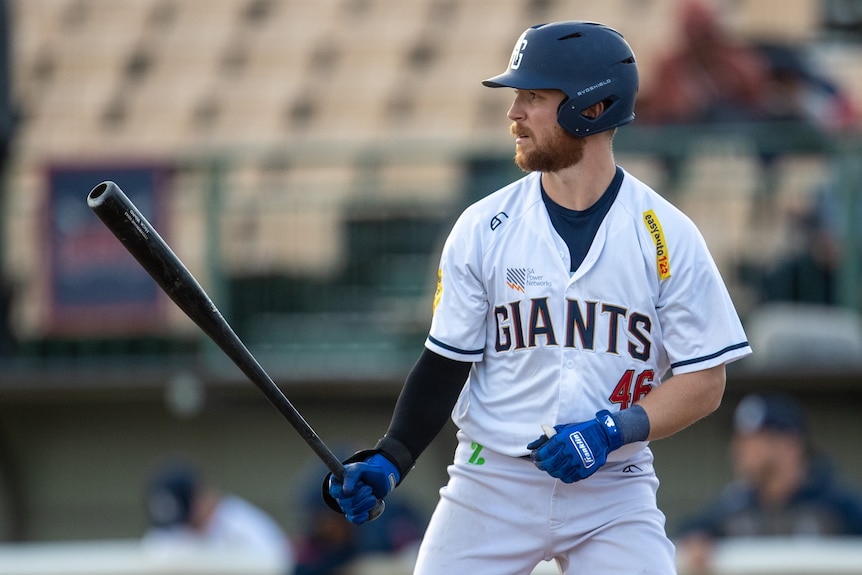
(95, 286)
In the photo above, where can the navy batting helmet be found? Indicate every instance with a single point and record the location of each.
(589, 62)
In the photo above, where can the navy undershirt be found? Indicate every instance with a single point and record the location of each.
(578, 227)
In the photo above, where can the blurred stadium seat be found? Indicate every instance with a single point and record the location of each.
(794, 337)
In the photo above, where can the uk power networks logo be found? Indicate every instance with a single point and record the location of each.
(519, 279)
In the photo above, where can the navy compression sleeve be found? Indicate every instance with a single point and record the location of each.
(424, 406)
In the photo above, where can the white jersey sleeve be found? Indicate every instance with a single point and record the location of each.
(458, 328)
(700, 326)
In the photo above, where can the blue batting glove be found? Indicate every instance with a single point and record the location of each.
(577, 450)
(365, 483)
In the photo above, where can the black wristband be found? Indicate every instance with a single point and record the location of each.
(397, 453)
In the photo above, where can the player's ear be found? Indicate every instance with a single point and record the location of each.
(594, 111)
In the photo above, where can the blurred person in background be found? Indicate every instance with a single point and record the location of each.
(712, 76)
(184, 510)
(825, 238)
(809, 272)
(330, 543)
(781, 486)
(708, 77)
(798, 91)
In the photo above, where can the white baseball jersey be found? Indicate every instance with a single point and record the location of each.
(553, 347)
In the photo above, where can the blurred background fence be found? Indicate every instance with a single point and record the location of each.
(305, 160)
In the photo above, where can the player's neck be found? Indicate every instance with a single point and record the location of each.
(580, 186)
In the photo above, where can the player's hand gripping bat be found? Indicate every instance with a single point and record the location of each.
(133, 230)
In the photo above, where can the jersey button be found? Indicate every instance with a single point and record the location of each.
(570, 364)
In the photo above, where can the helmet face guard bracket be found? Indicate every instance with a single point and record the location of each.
(588, 62)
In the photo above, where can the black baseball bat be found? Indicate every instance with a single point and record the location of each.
(139, 237)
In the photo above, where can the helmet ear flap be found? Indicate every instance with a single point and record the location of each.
(579, 122)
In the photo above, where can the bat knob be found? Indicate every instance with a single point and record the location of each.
(377, 511)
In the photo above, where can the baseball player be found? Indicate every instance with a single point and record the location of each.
(578, 316)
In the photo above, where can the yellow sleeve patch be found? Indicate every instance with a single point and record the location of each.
(439, 292)
(662, 257)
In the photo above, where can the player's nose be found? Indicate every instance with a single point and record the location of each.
(516, 111)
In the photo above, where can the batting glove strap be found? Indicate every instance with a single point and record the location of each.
(397, 453)
(611, 429)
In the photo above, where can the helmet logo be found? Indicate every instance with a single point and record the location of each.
(518, 52)
(604, 82)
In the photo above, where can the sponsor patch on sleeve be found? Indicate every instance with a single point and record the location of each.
(439, 292)
(662, 257)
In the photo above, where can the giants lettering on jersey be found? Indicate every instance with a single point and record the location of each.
(525, 324)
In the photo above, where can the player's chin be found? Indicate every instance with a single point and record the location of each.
(522, 160)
